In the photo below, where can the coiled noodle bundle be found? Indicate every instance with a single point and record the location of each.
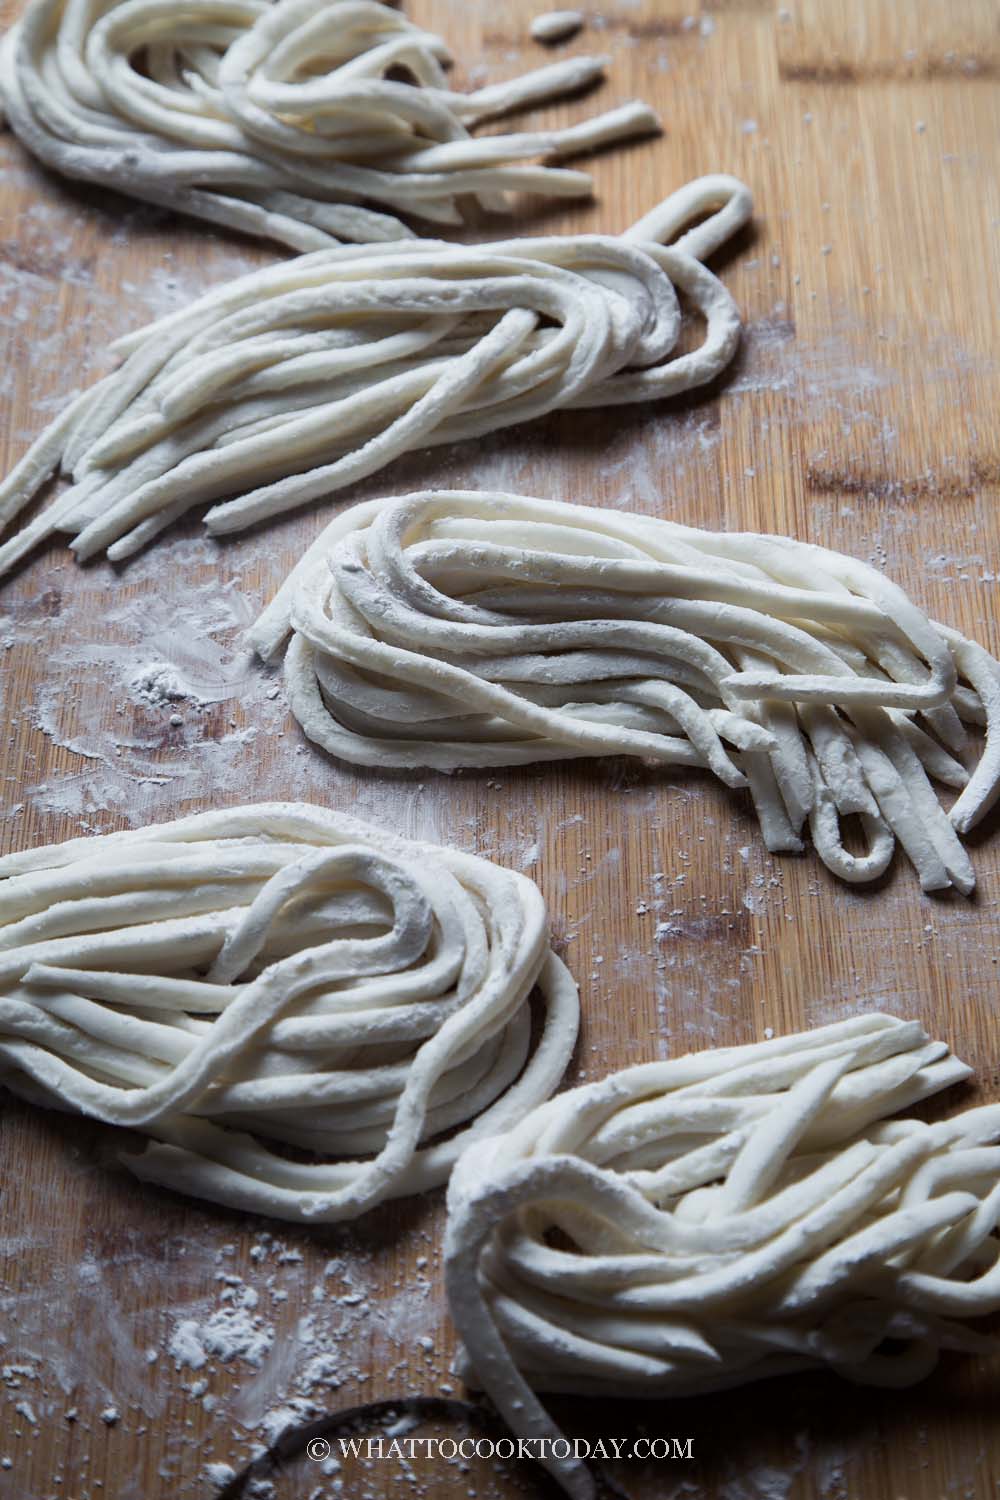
(285, 120)
(295, 381)
(453, 629)
(688, 1226)
(280, 974)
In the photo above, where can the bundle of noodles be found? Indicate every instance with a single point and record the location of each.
(452, 629)
(280, 974)
(292, 382)
(284, 120)
(688, 1226)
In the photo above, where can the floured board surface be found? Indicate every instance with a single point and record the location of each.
(152, 1344)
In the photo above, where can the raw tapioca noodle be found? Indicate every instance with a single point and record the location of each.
(280, 974)
(286, 121)
(294, 382)
(453, 629)
(688, 1226)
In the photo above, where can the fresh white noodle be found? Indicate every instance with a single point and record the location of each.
(291, 383)
(556, 26)
(280, 973)
(285, 121)
(455, 628)
(689, 1226)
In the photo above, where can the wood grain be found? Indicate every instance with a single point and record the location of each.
(861, 414)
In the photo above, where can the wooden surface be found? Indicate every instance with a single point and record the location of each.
(861, 414)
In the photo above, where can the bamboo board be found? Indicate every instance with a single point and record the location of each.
(861, 413)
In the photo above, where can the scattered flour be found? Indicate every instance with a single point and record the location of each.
(158, 685)
(235, 1330)
(219, 1474)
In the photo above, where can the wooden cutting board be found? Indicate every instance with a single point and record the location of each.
(862, 414)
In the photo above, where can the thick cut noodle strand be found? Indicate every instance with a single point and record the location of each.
(280, 975)
(286, 121)
(296, 381)
(465, 628)
(689, 1226)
